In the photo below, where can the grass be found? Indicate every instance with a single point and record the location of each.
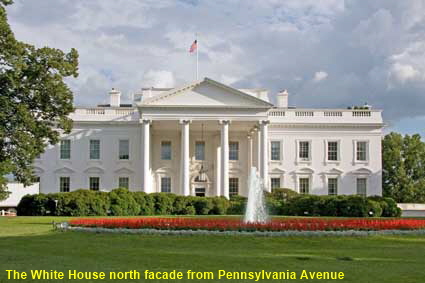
(28, 243)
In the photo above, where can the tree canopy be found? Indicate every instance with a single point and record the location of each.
(34, 101)
(403, 167)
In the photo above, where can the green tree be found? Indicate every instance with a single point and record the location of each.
(403, 167)
(34, 101)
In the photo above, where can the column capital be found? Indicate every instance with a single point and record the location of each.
(224, 122)
(185, 121)
(145, 121)
(264, 122)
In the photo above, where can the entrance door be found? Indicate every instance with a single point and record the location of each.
(200, 191)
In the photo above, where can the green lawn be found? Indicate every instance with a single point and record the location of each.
(29, 243)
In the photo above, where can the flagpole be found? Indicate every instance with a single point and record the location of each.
(197, 56)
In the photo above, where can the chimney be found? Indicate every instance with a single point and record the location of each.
(282, 99)
(115, 98)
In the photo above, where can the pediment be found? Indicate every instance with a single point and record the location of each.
(64, 170)
(94, 170)
(362, 171)
(277, 171)
(205, 93)
(38, 170)
(333, 171)
(305, 170)
(124, 170)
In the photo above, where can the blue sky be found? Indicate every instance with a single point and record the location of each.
(327, 53)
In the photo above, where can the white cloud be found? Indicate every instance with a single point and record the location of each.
(159, 78)
(366, 46)
(403, 73)
(320, 76)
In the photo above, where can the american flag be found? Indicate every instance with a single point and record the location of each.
(194, 46)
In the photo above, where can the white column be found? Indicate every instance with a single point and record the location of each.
(264, 173)
(218, 169)
(258, 149)
(185, 157)
(249, 137)
(146, 176)
(225, 158)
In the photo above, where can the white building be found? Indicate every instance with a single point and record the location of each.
(161, 141)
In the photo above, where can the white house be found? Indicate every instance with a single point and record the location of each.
(202, 138)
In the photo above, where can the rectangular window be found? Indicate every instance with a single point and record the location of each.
(304, 150)
(64, 184)
(332, 186)
(275, 150)
(200, 150)
(233, 186)
(123, 182)
(332, 151)
(94, 183)
(165, 150)
(304, 185)
(124, 150)
(361, 186)
(94, 149)
(361, 151)
(233, 150)
(275, 183)
(165, 185)
(65, 149)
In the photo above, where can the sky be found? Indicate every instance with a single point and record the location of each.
(326, 53)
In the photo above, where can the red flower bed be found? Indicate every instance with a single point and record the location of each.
(223, 224)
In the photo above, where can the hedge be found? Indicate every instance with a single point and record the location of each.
(122, 202)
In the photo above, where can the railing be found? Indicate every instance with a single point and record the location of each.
(361, 114)
(105, 111)
(291, 115)
(95, 111)
(304, 113)
(332, 114)
(277, 113)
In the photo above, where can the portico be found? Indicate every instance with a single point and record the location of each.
(224, 148)
(228, 149)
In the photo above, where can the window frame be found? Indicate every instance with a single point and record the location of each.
(231, 158)
(367, 154)
(163, 155)
(308, 178)
(91, 150)
(280, 150)
(168, 178)
(336, 184)
(90, 183)
(298, 151)
(198, 142)
(233, 181)
(61, 149)
(275, 178)
(119, 149)
(128, 182)
(365, 185)
(338, 151)
(61, 190)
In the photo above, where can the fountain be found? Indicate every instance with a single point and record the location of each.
(256, 211)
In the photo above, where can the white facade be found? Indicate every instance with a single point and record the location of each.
(230, 129)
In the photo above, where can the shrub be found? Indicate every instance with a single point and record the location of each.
(388, 205)
(182, 204)
(163, 203)
(220, 205)
(202, 205)
(237, 205)
(123, 203)
(145, 202)
(374, 208)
